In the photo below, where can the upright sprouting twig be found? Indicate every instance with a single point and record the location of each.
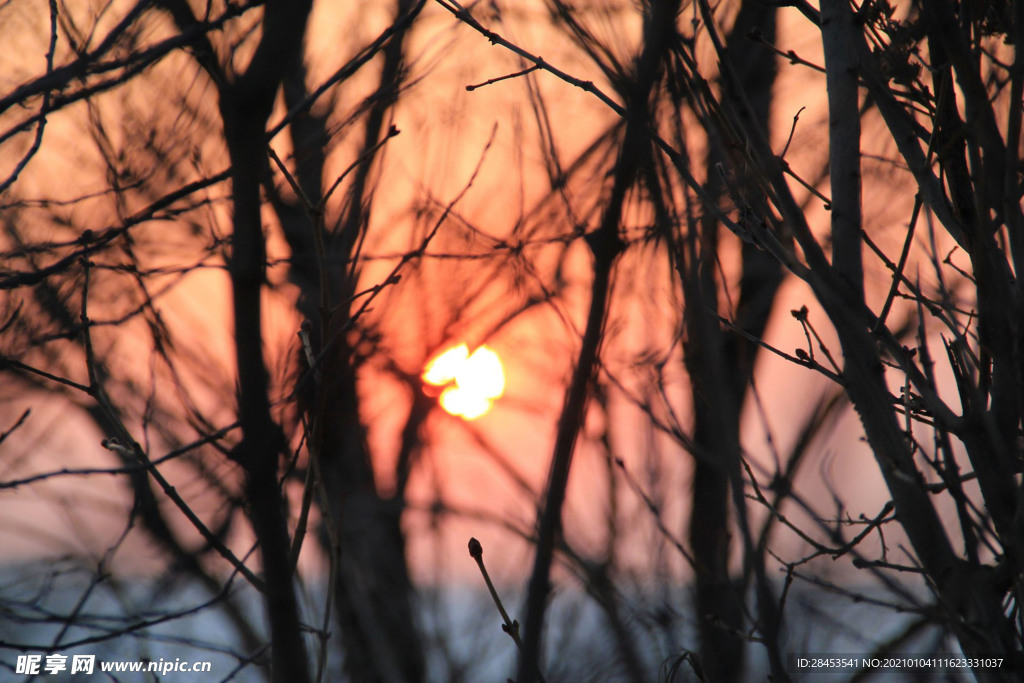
(510, 626)
(476, 551)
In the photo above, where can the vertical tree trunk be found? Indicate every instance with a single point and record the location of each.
(721, 363)
(605, 245)
(373, 592)
(245, 106)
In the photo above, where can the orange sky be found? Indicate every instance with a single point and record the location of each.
(458, 293)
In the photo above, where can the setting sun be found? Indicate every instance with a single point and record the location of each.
(472, 381)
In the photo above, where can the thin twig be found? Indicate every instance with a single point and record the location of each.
(511, 626)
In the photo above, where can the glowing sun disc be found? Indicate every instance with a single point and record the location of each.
(472, 381)
(441, 370)
(463, 403)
